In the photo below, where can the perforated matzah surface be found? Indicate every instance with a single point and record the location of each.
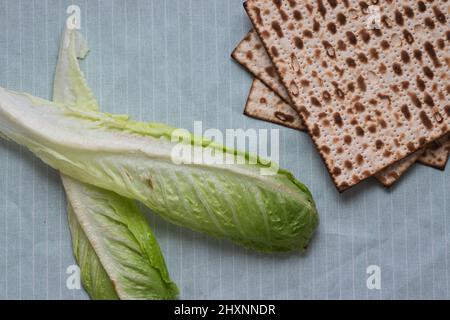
(264, 104)
(369, 97)
(252, 55)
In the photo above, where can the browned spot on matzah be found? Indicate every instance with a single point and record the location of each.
(337, 171)
(283, 15)
(265, 34)
(432, 54)
(351, 87)
(420, 83)
(351, 38)
(439, 15)
(341, 18)
(397, 69)
(338, 120)
(315, 102)
(425, 120)
(359, 131)
(406, 112)
(277, 3)
(399, 18)
(421, 6)
(377, 32)
(258, 15)
(321, 8)
(361, 83)
(325, 149)
(359, 159)
(292, 3)
(359, 107)
(428, 100)
(429, 23)
(271, 71)
(316, 131)
(386, 22)
(316, 26)
(362, 57)
(447, 110)
(411, 146)
(283, 117)
(379, 144)
(405, 85)
(331, 28)
(350, 62)
(405, 56)
(373, 53)
(274, 51)
(409, 12)
(277, 28)
(418, 55)
(415, 100)
(329, 49)
(364, 35)
(428, 72)
(348, 164)
(341, 45)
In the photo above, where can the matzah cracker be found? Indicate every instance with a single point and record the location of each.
(252, 55)
(264, 104)
(369, 97)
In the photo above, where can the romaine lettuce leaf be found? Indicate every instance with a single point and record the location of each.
(135, 160)
(117, 253)
(120, 242)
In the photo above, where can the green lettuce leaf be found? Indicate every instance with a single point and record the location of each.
(95, 280)
(117, 253)
(135, 160)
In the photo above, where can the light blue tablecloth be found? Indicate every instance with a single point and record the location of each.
(169, 61)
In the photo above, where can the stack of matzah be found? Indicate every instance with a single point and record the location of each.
(368, 80)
